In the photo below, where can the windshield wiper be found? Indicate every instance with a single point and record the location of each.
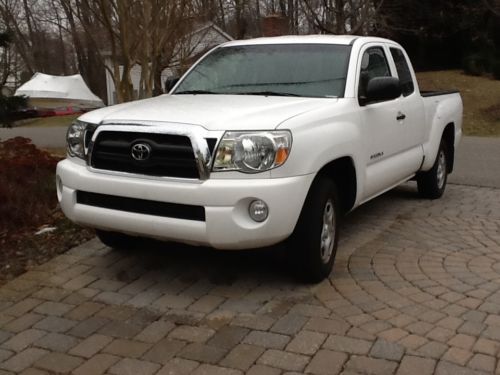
(267, 93)
(194, 92)
(264, 93)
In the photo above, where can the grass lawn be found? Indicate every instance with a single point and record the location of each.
(481, 97)
(44, 122)
(56, 152)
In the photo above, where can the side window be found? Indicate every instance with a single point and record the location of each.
(373, 64)
(404, 73)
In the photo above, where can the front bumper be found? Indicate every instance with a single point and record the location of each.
(227, 224)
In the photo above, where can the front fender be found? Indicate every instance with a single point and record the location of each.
(319, 140)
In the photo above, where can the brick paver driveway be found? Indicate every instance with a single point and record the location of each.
(416, 290)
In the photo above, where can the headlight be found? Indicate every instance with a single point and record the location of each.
(252, 152)
(75, 137)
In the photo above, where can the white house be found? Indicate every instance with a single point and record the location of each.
(201, 40)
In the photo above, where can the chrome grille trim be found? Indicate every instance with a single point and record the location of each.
(195, 133)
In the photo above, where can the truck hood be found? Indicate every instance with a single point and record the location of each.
(213, 112)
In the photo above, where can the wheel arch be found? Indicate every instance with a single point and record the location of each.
(343, 172)
(448, 138)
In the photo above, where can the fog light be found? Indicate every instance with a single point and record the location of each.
(258, 210)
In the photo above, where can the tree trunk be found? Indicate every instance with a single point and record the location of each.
(158, 84)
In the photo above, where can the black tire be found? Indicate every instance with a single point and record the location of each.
(312, 260)
(118, 241)
(432, 184)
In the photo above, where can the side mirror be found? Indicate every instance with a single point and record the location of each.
(170, 83)
(382, 89)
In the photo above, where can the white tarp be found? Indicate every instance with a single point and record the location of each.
(46, 90)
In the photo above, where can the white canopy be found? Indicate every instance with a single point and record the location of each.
(46, 90)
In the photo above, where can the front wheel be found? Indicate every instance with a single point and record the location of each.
(313, 245)
(431, 184)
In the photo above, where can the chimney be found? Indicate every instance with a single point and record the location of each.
(274, 25)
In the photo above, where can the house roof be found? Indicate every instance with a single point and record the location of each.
(211, 25)
(201, 29)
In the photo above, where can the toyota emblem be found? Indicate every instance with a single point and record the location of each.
(141, 151)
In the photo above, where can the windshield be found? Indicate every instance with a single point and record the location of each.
(312, 70)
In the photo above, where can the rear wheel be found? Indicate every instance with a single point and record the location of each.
(313, 244)
(432, 184)
(116, 240)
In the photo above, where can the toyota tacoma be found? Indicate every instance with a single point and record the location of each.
(260, 142)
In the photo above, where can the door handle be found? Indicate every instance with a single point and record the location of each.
(401, 116)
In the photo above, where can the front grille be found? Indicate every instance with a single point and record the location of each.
(141, 206)
(170, 156)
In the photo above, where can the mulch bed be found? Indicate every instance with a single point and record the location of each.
(22, 250)
(28, 204)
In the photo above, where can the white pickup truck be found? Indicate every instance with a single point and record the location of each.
(262, 141)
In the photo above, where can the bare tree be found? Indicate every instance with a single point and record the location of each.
(493, 6)
(82, 49)
(107, 28)
(342, 16)
(6, 57)
(39, 35)
(129, 32)
(163, 26)
(10, 11)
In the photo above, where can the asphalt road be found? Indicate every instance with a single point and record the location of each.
(50, 137)
(477, 162)
(477, 158)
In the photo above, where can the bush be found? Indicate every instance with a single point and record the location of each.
(27, 184)
(9, 106)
